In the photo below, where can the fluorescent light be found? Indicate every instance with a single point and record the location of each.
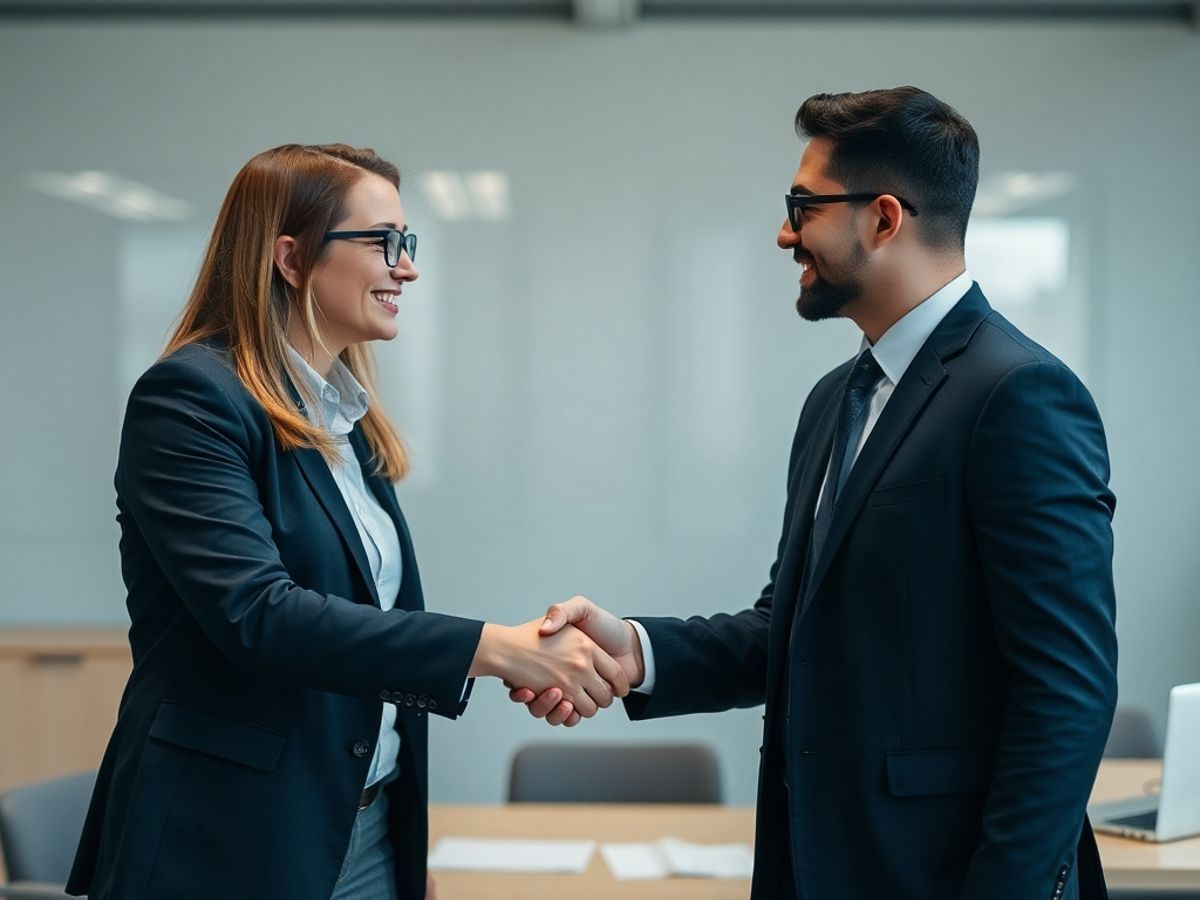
(446, 194)
(1008, 192)
(481, 195)
(1022, 260)
(112, 195)
(91, 183)
(140, 202)
(489, 194)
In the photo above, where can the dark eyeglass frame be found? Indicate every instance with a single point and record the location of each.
(392, 240)
(797, 203)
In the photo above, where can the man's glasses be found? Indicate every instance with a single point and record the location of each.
(797, 203)
(391, 239)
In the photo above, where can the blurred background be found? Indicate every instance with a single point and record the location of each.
(600, 370)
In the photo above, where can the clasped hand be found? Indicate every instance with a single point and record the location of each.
(562, 659)
(613, 637)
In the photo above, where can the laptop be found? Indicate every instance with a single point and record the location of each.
(1175, 812)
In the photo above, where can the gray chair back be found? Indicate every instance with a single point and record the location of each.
(1152, 893)
(621, 773)
(33, 890)
(40, 825)
(1133, 735)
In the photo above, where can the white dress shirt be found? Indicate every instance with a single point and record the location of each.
(894, 351)
(342, 402)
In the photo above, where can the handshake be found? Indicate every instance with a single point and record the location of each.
(566, 666)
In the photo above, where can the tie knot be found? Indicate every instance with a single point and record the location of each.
(866, 372)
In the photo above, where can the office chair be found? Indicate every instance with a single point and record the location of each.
(1133, 735)
(40, 825)
(599, 773)
(33, 890)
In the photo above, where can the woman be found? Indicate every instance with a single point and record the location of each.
(271, 741)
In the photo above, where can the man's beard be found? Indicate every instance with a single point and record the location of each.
(825, 299)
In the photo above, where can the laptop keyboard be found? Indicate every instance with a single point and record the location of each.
(1148, 820)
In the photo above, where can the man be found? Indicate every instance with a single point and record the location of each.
(936, 645)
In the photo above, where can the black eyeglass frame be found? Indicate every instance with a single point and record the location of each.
(391, 246)
(797, 203)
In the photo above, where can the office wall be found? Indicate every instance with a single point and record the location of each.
(599, 392)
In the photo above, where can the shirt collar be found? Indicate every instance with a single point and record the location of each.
(342, 398)
(899, 345)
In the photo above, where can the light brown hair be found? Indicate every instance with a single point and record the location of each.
(241, 297)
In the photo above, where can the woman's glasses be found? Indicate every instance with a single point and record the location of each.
(391, 239)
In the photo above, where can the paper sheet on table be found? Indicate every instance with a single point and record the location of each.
(456, 854)
(628, 861)
(671, 856)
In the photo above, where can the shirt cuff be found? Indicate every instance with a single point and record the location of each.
(468, 686)
(647, 685)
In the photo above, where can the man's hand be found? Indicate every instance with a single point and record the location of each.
(565, 658)
(614, 636)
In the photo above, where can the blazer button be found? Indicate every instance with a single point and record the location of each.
(385, 696)
(410, 699)
(422, 701)
(361, 749)
(433, 704)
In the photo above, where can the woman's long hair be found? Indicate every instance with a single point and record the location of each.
(241, 297)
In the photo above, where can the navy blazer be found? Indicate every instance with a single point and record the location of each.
(261, 659)
(938, 701)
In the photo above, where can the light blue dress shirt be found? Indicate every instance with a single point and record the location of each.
(342, 402)
(894, 351)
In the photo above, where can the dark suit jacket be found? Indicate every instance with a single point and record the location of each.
(940, 697)
(261, 658)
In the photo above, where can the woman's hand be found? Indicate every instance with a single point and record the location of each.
(569, 660)
(615, 636)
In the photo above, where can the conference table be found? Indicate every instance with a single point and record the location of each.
(1127, 863)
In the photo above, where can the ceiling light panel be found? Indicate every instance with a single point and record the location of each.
(112, 195)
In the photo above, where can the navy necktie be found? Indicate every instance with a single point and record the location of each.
(862, 380)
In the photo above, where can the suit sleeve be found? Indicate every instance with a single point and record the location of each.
(185, 476)
(720, 662)
(1041, 514)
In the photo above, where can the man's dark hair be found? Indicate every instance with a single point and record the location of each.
(906, 141)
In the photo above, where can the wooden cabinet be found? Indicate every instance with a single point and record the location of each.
(59, 692)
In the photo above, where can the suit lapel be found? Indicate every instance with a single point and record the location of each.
(316, 472)
(320, 479)
(410, 581)
(810, 471)
(376, 483)
(919, 383)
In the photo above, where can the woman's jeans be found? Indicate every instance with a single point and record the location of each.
(369, 869)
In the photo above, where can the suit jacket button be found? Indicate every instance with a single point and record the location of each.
(410, 699)
(433, 704)
(385, 696)
(422, 701)
(361, 749)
